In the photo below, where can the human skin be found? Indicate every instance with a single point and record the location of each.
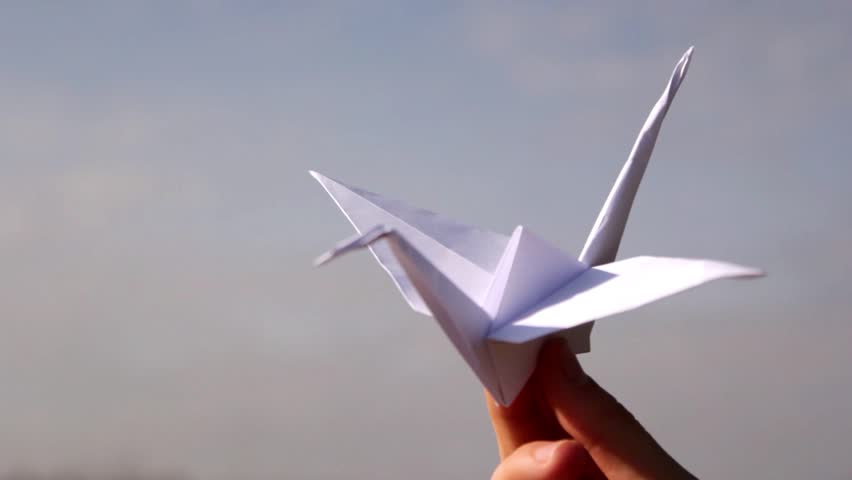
(563, 425)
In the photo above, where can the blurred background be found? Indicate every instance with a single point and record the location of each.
(159, 315)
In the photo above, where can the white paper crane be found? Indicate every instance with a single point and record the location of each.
(497, 297)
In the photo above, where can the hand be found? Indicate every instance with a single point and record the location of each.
(563, 425)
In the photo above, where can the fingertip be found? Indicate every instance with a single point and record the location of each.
(570, 459)
(559, 452)
(560, 363)
(543, 460)
(543, 453)
(516, 424)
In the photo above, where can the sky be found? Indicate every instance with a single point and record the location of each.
(159, 310)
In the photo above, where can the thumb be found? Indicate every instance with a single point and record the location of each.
(562, 460)
(616, 441)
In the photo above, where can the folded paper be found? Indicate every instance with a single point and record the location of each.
(498, 297)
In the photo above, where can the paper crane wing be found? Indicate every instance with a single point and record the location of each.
(615, 288)
(466, 254)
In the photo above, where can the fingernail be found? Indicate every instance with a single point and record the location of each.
(542, 454)
(571, 366)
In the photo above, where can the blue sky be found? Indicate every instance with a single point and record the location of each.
(157, 225)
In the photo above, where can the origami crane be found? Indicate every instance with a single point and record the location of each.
(498, 297)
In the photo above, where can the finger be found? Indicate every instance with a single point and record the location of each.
(548, 460)
(523, 421)
(617, 442)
